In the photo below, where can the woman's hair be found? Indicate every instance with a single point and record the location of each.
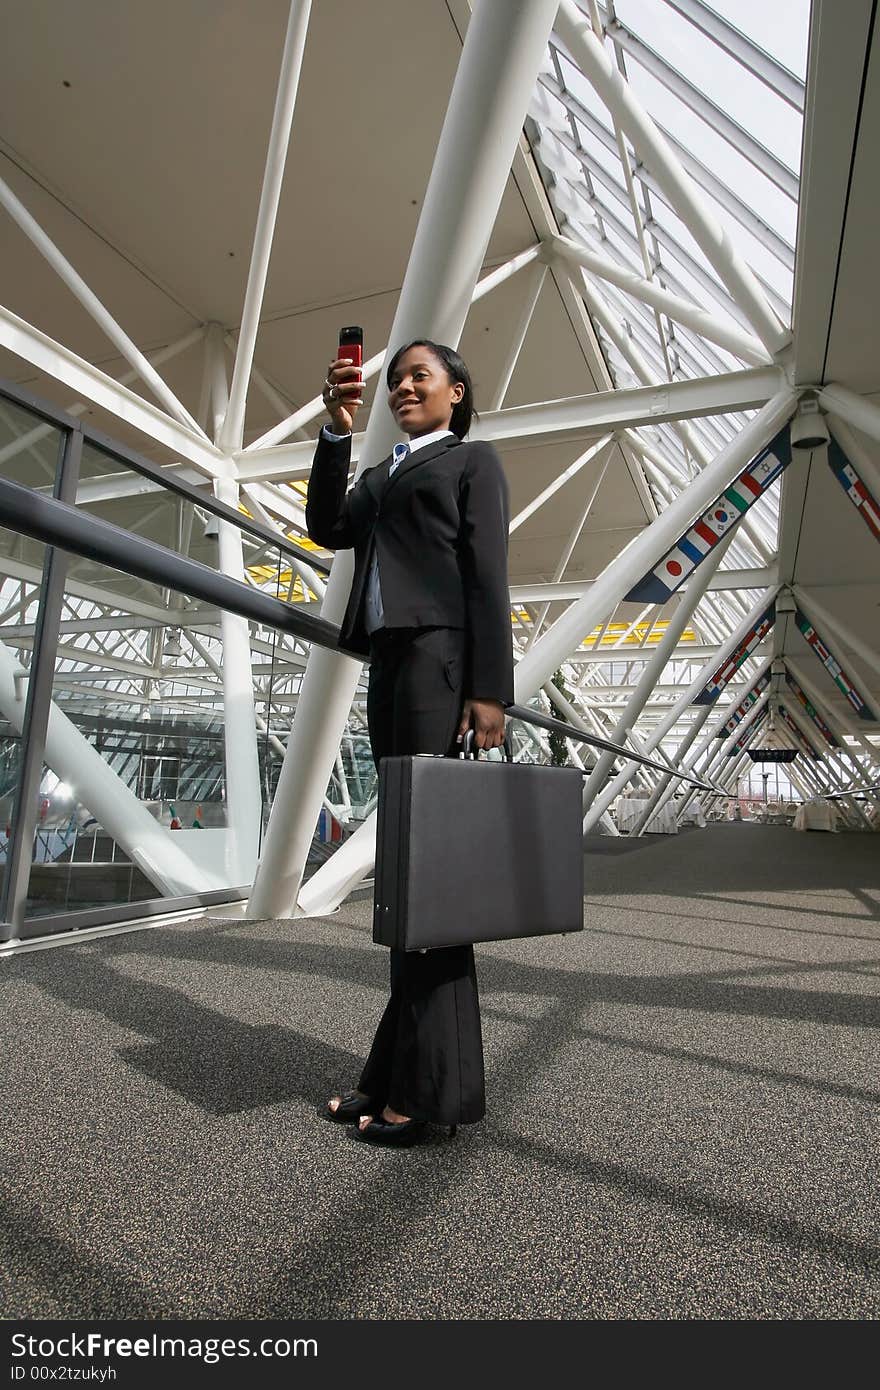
(464, 412)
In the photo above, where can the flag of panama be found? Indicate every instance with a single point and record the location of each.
(679, 562)
(756, 634)
(833, 667)
(811, 711)
(744, 706)
(867, 505)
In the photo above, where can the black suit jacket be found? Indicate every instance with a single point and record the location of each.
(439, 527)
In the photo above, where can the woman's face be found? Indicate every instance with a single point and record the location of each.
(421, 396)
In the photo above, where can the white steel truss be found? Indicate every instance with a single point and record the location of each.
(689, 338)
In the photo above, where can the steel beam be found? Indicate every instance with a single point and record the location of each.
(693, 316)
(93, 306)
(230, 437)
(552, 488)
(88, 382)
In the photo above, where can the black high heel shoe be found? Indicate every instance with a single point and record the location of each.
(402, 1135)
(349, 1110)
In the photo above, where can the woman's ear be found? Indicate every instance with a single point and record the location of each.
(457, 392)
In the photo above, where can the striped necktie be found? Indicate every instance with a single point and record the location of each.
(399, 453)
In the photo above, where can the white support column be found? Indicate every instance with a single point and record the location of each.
(823, 774)
(244, 800)
(840, 726)
(682, 763)
(716, 757)
(268, 390)
(653, 668)
(230, 438)
(96, 786)
(502, 53)
(215, 378)
(343, 784)
(855, 410)
(567, 633)
(856, 452)
(582, 756)
(661, 729)
(731, 777)
(309, 577)
(598, 68)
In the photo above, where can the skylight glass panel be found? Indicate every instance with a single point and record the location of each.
(754, 186)
(780, 29)
(608, 158)
(727, 83)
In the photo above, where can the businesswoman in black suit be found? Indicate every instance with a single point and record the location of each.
(430, 607)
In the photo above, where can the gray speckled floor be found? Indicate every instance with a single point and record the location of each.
(683, 1110)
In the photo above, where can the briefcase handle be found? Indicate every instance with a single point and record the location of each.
(468, 751)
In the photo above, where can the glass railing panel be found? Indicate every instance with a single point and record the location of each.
(21, 572)
(113, 491)
(29, 448)
(133, 791)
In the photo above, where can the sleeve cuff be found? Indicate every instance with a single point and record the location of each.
(334, 437)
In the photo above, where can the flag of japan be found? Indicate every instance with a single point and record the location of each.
(674, 567)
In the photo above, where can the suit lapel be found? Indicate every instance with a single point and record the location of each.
(375, 479)
(413, 461)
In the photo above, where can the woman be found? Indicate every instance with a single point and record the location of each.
(430, 607)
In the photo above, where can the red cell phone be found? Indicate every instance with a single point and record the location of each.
(351, 345)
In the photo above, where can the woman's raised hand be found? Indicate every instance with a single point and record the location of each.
(342, 394)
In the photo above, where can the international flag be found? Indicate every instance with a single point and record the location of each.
(741, 742)
(833, 667)
(856, 490)
(811, 711)
(744, 706)
(727, 509)
(802, 742)
(710, 692)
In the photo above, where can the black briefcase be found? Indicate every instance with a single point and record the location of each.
(470, 850)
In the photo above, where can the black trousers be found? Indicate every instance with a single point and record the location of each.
(427, 1056)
